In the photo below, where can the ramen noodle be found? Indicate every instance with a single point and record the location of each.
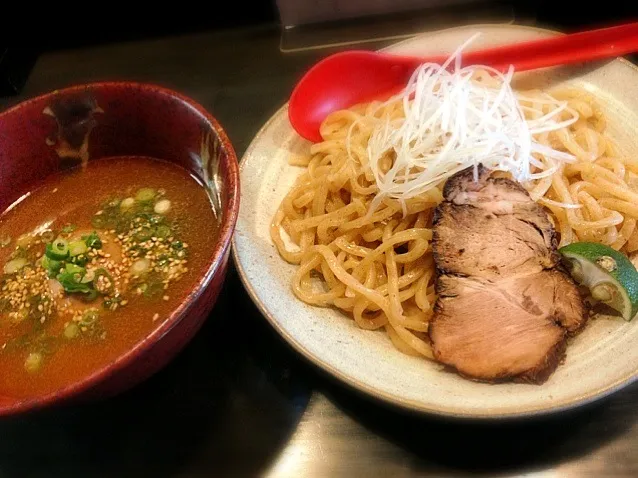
(376, 264)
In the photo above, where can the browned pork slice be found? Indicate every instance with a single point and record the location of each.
(505, 307)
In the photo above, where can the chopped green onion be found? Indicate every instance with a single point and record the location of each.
(93, 240)
(122, 225)
(88, 277)
(106, 286)
(47, 236)
(77, 247)
(14, 265)
(145, 195)
(162, 260)
(89, 296)
(23, 314)
(5, 305)
(33, 362)
(153, 285)
(155, 219)
(18, 252)
(74, 269)
(140, 267)
(110, 302)
(177, 245)
(24, 240)
(58, 249)
(162, 206)
(98, 221)
(71, 331)
(51, 265)
(89, 318)
(51, 254)
(128, 203)
(79, 260)
(113, 203)
(68, 229)
(71, 280)
(144, 235)
(162, 231)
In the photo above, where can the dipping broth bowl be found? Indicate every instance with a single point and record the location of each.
(62, 129)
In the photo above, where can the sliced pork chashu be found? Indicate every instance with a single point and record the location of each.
(505, 307)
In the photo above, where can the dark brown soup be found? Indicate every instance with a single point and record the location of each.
(91, 262)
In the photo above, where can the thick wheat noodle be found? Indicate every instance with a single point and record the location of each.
(626, 231)
(377, 266)
(352, 208)
(398, 238)
(625, 207)
(303, 200)
(616, 165)
(372, 295)
(632, 242)
(576, 186)
(622, 192)
(597, 184)
(630, 163)
(308, 295)
(595, 212)
(576, 221)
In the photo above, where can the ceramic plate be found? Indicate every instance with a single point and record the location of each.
(599, 361)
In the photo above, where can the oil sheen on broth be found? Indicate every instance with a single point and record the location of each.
(91, 262)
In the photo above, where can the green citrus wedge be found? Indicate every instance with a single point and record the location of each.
(608, 274)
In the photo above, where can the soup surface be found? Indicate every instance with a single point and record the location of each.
(91, 262)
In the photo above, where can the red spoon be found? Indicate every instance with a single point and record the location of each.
(351, 77)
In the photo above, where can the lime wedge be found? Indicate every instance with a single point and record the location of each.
(608, 274)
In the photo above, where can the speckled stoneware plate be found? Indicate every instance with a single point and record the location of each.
(599, 361)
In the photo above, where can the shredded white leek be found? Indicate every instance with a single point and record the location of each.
(452, 121)
(564, 205)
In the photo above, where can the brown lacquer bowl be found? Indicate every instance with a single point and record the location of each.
(47, 134)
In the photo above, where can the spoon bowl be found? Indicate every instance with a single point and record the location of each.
(347, 78)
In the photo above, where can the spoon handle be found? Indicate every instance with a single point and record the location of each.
(560, 50)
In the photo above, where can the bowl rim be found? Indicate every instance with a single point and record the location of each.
(215, 264)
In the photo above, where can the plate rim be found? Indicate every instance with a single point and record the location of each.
(394, 400)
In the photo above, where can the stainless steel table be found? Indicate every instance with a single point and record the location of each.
(253, 407)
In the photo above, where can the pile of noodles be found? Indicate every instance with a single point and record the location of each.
(358, 221)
